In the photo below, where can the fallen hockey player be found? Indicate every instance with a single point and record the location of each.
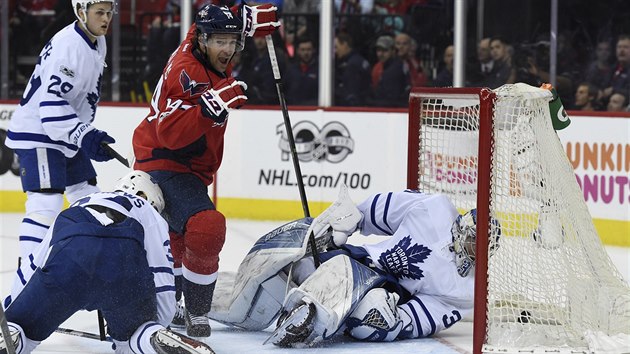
(416, 283)
(108, 251)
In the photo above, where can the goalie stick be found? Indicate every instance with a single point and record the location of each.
(289, 129)
(6, 334)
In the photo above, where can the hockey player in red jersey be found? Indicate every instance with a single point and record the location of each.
(180, 144)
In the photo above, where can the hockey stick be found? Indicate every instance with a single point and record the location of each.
(6, 334)
(289, 129)
(88, 335)
(113, 153)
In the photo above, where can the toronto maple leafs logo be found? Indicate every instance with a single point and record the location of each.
(402, 260)
(94, 97)
(191, 86)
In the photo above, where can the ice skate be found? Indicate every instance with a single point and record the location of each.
(197, 325)
(165, 341)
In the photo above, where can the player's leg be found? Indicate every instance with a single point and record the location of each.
(177, 249)
(80, 177)
(190, 212)
(204, 238)
(46, 302)
(43, 176)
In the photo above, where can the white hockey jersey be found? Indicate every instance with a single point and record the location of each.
(60, 100)
(156, 245)
(418, 255)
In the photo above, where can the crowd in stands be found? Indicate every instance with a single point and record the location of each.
(381, 51)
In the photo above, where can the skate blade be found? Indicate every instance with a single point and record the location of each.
(302, 312)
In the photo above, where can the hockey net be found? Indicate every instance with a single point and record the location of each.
(549, 283)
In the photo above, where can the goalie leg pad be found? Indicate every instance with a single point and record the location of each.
(259, 287)
(335, 289)
(204, 238)
(376, 318)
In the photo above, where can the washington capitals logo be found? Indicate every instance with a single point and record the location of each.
(191, 86)
(402, 260)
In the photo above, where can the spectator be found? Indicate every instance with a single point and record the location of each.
(406, 50)
(358, 27)
(479, 71)
(260, 80)
(390, 76)
(351, 73)
(301, 7)
(445, 76)
(363, 7)
(530, 63)
(600, 70)
(502, 71)
(26, 23)
(617, 102)
(162, 39)
(303, 74)
(585, 97)
(620, 79)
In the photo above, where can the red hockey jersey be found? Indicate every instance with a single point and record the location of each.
(175, 136)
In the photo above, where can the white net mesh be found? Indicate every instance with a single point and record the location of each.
(550, 280)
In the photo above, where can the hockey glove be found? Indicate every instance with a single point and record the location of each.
(218, 101)
(91, 144)
(342, 216)
(259, 21)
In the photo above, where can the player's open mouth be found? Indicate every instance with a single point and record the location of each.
(223, 61)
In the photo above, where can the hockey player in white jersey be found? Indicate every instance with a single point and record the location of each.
(109, 251)
(415, 283)
(51, 131)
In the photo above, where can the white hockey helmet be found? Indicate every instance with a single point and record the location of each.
(464, 233)
(82, 5)
(141, 184)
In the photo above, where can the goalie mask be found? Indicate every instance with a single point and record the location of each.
(212, 19)
(464, 233)
(141, 184)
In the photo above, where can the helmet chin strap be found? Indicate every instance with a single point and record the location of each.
(84, 23)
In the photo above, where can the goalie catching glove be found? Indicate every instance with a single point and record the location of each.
(218, 101)
(259, 21)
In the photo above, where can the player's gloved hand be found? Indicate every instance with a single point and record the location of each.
(218, 101)
(91, 144)
(342, 217)
(259, 21)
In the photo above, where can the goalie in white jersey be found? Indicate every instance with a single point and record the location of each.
(415, 283)
(51, 131)
(110, 251)
(424, 265)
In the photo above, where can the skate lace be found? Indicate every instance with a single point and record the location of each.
(198, 320)
(179, 310)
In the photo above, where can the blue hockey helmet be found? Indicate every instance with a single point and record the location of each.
(212, 19)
